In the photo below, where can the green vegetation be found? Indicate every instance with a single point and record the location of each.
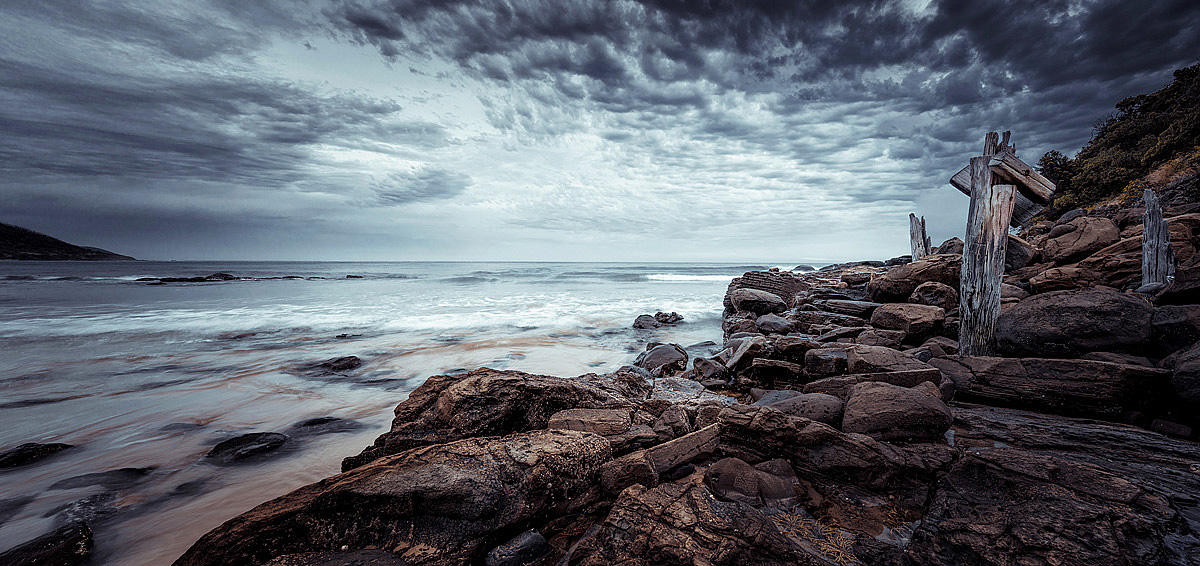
(1152, 140)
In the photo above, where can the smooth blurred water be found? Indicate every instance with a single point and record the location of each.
(139, 375)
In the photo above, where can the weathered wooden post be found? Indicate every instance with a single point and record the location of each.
(983, 254)
(1158, 259)
(918, 240)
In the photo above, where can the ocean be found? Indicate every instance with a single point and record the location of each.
(151, 376)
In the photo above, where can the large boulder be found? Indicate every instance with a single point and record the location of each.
(816, 406)
(918, 322)
(774, 324)
(890, 412)
(1067, 324)
(952, 246)
(1064, 278)
(898, 283)
(871, 359)
(662, 359)
(443, 504)
(1068, 387)
(1090, 234)
(783, 284)
(757, 301)
(489, 402)
(935, 294)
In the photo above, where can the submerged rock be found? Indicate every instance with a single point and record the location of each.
(68, 545)
(246, 447)
(29, 453)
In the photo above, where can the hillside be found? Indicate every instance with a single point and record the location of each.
(21, 243)
(1151, 141)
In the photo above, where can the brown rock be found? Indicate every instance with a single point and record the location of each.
(1068, 387)
(869, 359)
(881, 337)
(599, 421)
(890, 412)
(918, 322)
(1071, 323)
(898, 283)
(815, 406)
(1063, 278)
(756, 301)
(489, 402)
(1091, 234)
(432, 505)
(935, 294)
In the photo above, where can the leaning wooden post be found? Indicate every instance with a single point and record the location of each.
(1158, 261)
(918, 240)
(983, 255)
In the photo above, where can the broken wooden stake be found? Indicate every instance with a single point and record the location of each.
(1158, 259)
(990, 213)
(918, 240)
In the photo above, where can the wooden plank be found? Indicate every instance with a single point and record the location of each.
(1158, 261)
(983, 260)
(1009, 169)
(918, 239)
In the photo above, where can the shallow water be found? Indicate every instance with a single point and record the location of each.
(152, 376)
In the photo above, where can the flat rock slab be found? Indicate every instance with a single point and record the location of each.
(604, 422)
(1068, 387)
(67, 546)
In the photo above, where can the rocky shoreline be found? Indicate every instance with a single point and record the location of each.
(836, 424)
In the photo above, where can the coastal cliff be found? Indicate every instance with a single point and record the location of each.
(24, 244)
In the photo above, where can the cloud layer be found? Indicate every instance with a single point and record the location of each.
(543, 129)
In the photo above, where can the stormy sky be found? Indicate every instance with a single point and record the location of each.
(623, 130)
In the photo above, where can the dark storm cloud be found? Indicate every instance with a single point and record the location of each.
(425, 184)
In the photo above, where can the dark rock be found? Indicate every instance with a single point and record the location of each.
(842, 332)
(347, 558)
(68, 545)
(935, 294)
(246, 446)
(1071, 323)
(807, 320)
(771, 484)
(646, 321)
(1017, 253)
(337, 365)
(825, 362)
(1175, 327)
(663, 359)
(488, 402)
(757, 301)
(793, 348)
(1171, 428)
(804, 268)
(113, 479)
(819, 407)
(29, 453)
(772, 396)
(785, 285)
(1089, 492)
(1071, 215)
(673, 525)
(941, 346)
(1068, 387)
(323, 425)
(1012, 292)
(1185, 290)
(951, 246)
(524, 548)
(1186, 380)
(771, 372)
(774, 324)
(668, 317)
(898, 283)
(706, 369)
(441, 504)
(746, 350)
(86, 510)
(890, 412)
(672, 423)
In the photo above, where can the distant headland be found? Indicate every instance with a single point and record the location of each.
(25, 244)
